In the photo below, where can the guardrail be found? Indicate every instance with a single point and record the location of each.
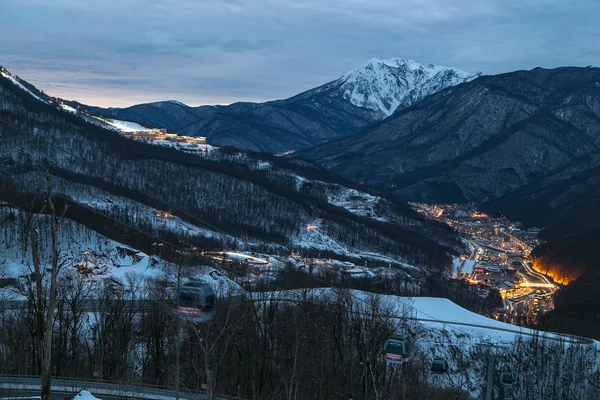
(75, 385)
(87, 304)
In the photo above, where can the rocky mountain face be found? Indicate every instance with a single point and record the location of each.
(335, 110)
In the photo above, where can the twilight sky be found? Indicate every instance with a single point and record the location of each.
(122, 52)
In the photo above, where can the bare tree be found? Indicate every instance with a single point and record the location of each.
(55, 224)
(214, 340)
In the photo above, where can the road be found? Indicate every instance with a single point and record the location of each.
(35, 394)
(531, 272)
(9, 385)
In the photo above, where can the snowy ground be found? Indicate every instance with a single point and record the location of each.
(317, 239)
(85, 395)
(456, 263)
(84, 250)
(356, 202)
(199, 149)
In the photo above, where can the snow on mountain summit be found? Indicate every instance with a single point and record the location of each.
(384, 85)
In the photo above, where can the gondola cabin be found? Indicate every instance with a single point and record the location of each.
(439, 366)
(196, 301)
(396, 351)
(508, 379)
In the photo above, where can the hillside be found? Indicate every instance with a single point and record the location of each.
(335, 110)
(115, 186)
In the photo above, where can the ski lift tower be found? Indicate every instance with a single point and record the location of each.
(492, 352)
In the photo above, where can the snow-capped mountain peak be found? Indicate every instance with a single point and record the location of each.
(384, 85)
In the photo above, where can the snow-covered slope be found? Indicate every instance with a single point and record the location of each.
(384, 85)
(437, 327)
(15, 81)
(108, 123)
(90, 254)
(84, 250)
(85, 395)
(443, 314)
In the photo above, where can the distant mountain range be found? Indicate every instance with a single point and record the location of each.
(524, 133)
(335, 110)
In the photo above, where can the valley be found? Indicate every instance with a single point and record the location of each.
(500, 259)
(305, 243)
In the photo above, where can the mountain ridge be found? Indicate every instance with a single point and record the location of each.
(327, 112)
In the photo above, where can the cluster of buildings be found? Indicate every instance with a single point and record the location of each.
(162, 137)
(498, 261)
(495, 232)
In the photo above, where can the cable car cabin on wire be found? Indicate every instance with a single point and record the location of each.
(508, 379)
(396, 351)
(439, 365)
(196, 302)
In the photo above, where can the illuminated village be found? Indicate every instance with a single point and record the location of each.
(499, 259)
(163, 138)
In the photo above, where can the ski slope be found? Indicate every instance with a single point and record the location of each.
(17, 83)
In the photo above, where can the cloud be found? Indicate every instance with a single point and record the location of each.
(220, 51)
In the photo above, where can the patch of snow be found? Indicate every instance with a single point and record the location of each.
(126, 126)
(222, 285)
(85, 395)
(299, 182)
(356, 202)
(114, 124)
(198, 149)
(285, 153)
(108, 203)
(318, 240)
(456, 263)
(264, 165)
(440, 313)
(68, 108)
(178, 103)
(84, 250)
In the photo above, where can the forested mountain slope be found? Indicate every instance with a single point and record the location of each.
(479, 140)
(228, 198)
(527, 142)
